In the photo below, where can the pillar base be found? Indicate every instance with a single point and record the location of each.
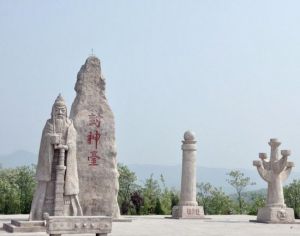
(188, 212)
(276, 215)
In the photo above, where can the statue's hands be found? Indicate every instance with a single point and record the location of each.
(290, 164)
(257, 163)
(61, 146)
(55, 139)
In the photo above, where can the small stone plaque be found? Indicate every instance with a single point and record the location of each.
(188, 212)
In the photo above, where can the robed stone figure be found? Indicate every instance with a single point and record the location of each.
(59, 133)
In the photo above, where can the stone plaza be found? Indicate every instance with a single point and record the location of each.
(217, 225)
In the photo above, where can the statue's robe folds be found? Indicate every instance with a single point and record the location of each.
(44, 195)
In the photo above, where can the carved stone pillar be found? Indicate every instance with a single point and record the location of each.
(188, 206)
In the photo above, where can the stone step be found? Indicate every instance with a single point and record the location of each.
(17, 229)
(26, 223)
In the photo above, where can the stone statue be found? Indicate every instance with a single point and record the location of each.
(274, 172)
(58, 186)
(188, 206)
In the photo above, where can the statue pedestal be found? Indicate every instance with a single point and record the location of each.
(188, 212)
(97, 225)
(276, 215)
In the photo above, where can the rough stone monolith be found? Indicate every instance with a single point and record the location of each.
(188, 206)
(96, 150)
(274, 171)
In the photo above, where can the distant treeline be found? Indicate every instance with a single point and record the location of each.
(17, 186)
(16, 189)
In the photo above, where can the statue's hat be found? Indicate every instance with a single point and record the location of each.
(59, 101)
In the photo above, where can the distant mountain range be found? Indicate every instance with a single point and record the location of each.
(216, 176)
(171, 173)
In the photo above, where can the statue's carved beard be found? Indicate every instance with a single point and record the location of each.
(60, 125)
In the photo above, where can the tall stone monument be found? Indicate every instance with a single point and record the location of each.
(96, 150)
(274, 171)
(188, 206)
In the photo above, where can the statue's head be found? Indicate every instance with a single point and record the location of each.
(59, 109)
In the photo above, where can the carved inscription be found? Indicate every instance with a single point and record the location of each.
(193, 211)
(94, 120)
(93, 138)
(93, 158)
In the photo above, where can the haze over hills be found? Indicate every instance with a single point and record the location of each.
(171, 173)
(18, 158)
(216, 176)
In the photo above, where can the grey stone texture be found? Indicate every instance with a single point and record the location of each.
(57, 189)
(96, 149)
(188, 206)
(274, 171)
(58, 225)
(24, 226)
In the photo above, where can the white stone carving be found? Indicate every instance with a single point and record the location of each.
(188, 206)
(274, 171)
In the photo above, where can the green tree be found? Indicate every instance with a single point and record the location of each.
(153, 198)
(151, 191)
(174, 194)
(204, 195)
(257, 200)
(165, 198)
(17, 186)
(158, 208)
(9, 194)
(220, 203)
(127, 186)
(213, 200)
(25, 180)
(292, 196)
(239, 182)
(137, 201)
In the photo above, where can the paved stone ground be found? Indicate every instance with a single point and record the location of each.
(231, 225)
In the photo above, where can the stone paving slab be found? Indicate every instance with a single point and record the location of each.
(223, 225)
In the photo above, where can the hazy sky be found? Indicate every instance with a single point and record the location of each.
(229, 70)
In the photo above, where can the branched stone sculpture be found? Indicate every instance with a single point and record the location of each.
(274, 171)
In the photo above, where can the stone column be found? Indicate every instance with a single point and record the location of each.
(274, 171)
(188, 174)
(188, 206)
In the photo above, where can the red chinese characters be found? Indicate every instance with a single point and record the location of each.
(93, 158)
(93, 138)
(94, 120)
